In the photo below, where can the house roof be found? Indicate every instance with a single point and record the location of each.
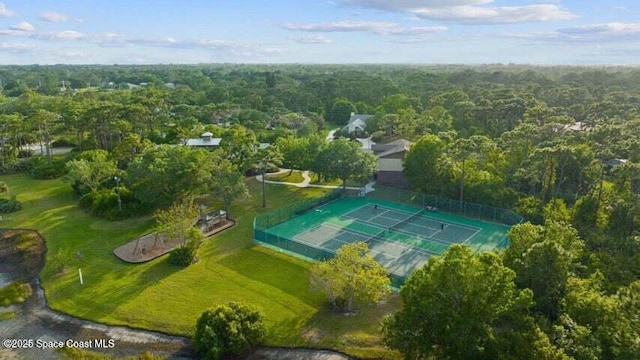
(205, 142)
(363, 117)
(393, 147)
(577, 126)
(365, 144)
(616, 162)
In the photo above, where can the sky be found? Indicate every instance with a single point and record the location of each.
(541, 32)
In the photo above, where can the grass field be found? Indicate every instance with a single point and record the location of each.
(295, 177)
(161, 297)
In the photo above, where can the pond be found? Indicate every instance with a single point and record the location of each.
(5, 280)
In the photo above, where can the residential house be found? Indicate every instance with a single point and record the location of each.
(390, 162)
(357, 124)
(205, 140)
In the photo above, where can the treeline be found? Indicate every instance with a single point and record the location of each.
(560, 146)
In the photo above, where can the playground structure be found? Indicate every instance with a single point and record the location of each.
(153, 245)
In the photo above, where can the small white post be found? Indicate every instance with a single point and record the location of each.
(80, 273)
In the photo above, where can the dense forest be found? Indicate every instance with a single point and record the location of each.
(558, 145)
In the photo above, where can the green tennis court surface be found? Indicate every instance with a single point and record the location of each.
(401, 237)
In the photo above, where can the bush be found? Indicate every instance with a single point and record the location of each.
(62, 143)
(15, 293)
(41, 168)
(230, 329)
(187, 254)
(182, 256)
(104, 203)
(60, 260)
(377, 136)
(25, 153)
(11, 165)
(10, 205)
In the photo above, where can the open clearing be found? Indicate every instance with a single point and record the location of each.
(232, 268)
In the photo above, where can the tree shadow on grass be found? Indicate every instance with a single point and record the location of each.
(357, 330)
(268, 267)
(103, 292)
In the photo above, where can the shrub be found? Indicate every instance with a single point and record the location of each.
(11, 165)
(62, 143)
(104, 203)
(41, 168)
(377, 136)
(60, 260)
(25, 153)
(187, 254)
(230, 329)
(10, 205)
(182, 256)
(15, 293)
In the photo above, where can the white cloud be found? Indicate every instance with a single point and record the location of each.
(23, 26)
(57, 17)
(53, 17)
(606, 32)
(17, 48)
(4, 12)
(407, 5)
(470, 11)
(496, 15)
(115, 40)
(343, 26)
(379, 28)
(312, 39)
(225, 46)
(59, 35)
(417, 30)
(11, 32)
(608, 29)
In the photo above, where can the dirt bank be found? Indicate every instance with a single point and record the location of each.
(22, 255)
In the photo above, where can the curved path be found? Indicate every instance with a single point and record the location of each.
(306, 182)
(37, 322)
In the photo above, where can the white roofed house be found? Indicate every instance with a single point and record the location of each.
(390, 162)
(205, 140)
(357, 124)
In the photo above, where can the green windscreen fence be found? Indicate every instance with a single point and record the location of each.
(457, 207)
(278, 216)
(313, 231)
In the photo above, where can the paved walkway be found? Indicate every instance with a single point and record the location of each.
(306, 182)
(331, 134)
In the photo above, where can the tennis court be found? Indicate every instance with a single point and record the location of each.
(400, 236)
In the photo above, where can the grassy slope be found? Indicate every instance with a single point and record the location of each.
(161, 297)
(295, 177)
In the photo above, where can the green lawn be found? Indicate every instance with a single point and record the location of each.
(295, 177)
(335, 182)
(161, 297)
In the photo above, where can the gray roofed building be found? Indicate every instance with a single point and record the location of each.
(390, 162)
(205, 140)
(397, 146)
(357, 124)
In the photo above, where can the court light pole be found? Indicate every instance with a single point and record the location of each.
(117, 179)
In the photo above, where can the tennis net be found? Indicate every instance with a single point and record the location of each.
(378, 236)
(404, 221)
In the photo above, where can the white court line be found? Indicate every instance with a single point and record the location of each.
(306, 231)
(452, 222)
(391, 243)
(365, 206)
(392, 258)
(472, 235)
(354, 210)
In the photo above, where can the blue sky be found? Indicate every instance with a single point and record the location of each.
(568, 32)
